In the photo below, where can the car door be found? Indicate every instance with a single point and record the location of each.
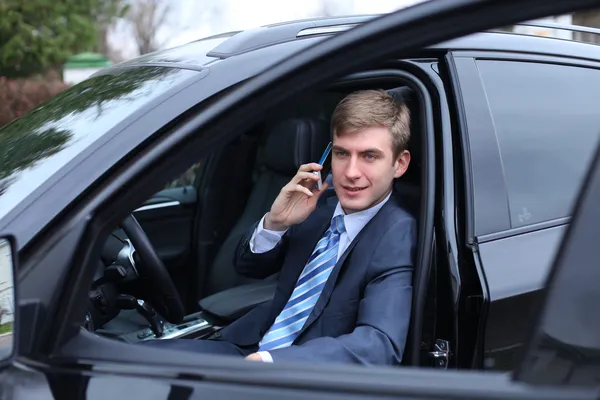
(73, 361)
(521, 112)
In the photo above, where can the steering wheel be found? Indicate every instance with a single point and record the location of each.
(165, 297)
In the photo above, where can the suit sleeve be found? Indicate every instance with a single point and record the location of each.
(384, 311)
(262, 262)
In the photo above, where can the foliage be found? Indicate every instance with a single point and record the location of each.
(146, 18)
(19, 96)
(36, 35)
(107, 11)
(106, 15)
(6, 327)
(42, 133)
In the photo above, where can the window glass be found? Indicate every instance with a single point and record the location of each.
(36, 146)
(7, 299)
(188, 178)
(547, 123)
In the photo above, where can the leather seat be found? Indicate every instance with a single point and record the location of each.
(409, 185)
(289, 144)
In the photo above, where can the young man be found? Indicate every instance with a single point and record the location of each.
(345, 287)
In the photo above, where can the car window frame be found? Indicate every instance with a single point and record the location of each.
(483, 175)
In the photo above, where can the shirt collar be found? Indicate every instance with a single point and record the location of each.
(356, 221)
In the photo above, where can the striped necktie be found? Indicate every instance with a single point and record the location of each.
(310, 284)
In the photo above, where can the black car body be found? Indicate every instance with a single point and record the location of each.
(493, 113)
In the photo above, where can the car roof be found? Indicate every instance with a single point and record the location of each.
(199, 53)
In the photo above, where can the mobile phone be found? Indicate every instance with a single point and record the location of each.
(325, 161)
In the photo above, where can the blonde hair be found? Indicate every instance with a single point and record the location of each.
(369, 108)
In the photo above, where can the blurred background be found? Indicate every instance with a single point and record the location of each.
(45, 46)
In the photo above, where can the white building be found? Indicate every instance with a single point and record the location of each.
(81, 66)
(7, 294)
(538, 31)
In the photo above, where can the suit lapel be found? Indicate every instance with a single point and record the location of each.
(379, 219)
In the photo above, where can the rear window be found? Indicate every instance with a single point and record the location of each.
(36, 146)
(547, 125)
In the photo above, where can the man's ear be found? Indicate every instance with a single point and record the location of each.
(401, 163)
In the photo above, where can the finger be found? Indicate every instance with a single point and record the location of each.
(300, 188)
(322, 190)
(310, 167)
(300, 176)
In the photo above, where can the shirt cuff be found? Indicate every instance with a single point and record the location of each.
(266, 356)
(264, 240)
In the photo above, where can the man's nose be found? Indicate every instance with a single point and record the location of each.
(352, 169)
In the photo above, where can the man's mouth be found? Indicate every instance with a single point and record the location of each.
(354, 188)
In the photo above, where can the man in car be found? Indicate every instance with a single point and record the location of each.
(346, 261)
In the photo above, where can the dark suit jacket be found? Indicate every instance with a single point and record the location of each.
(363, 313)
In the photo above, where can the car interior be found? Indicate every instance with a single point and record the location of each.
(194, 227)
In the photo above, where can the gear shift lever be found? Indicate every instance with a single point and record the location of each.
(127, 302)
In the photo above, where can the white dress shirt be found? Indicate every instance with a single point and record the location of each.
(263, 240)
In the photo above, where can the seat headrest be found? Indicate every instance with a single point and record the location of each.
(409, 195)
(407, 96)
(294, 142)
(403, 94)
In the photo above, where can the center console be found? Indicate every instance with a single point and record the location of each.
(138, 321)
(195, 326)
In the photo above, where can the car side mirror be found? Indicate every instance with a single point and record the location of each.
(8, 255)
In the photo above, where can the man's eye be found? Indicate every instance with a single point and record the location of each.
(371, 157)
(340, 153)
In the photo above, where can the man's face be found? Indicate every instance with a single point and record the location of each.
(363, 167)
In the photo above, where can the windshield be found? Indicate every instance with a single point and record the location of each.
(35, 147)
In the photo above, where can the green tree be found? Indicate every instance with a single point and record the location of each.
(105, 16)
(36, 35)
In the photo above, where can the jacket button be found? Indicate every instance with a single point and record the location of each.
(217, 334)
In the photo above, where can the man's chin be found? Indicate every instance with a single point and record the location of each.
(353, 205)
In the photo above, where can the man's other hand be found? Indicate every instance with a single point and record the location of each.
(254, 357)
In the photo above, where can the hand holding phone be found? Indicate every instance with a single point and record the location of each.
(296, 200)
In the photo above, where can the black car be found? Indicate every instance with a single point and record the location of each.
(123, 198)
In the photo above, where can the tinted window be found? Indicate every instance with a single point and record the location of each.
(36, 146)
(187, 178)
(548, 124)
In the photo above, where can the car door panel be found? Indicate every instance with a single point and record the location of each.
(219, 379)
(516, 269)
(209, 376)
(121, 386)
(564, 345)
(521, 201)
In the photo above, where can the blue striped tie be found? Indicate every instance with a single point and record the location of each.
(310, 284)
